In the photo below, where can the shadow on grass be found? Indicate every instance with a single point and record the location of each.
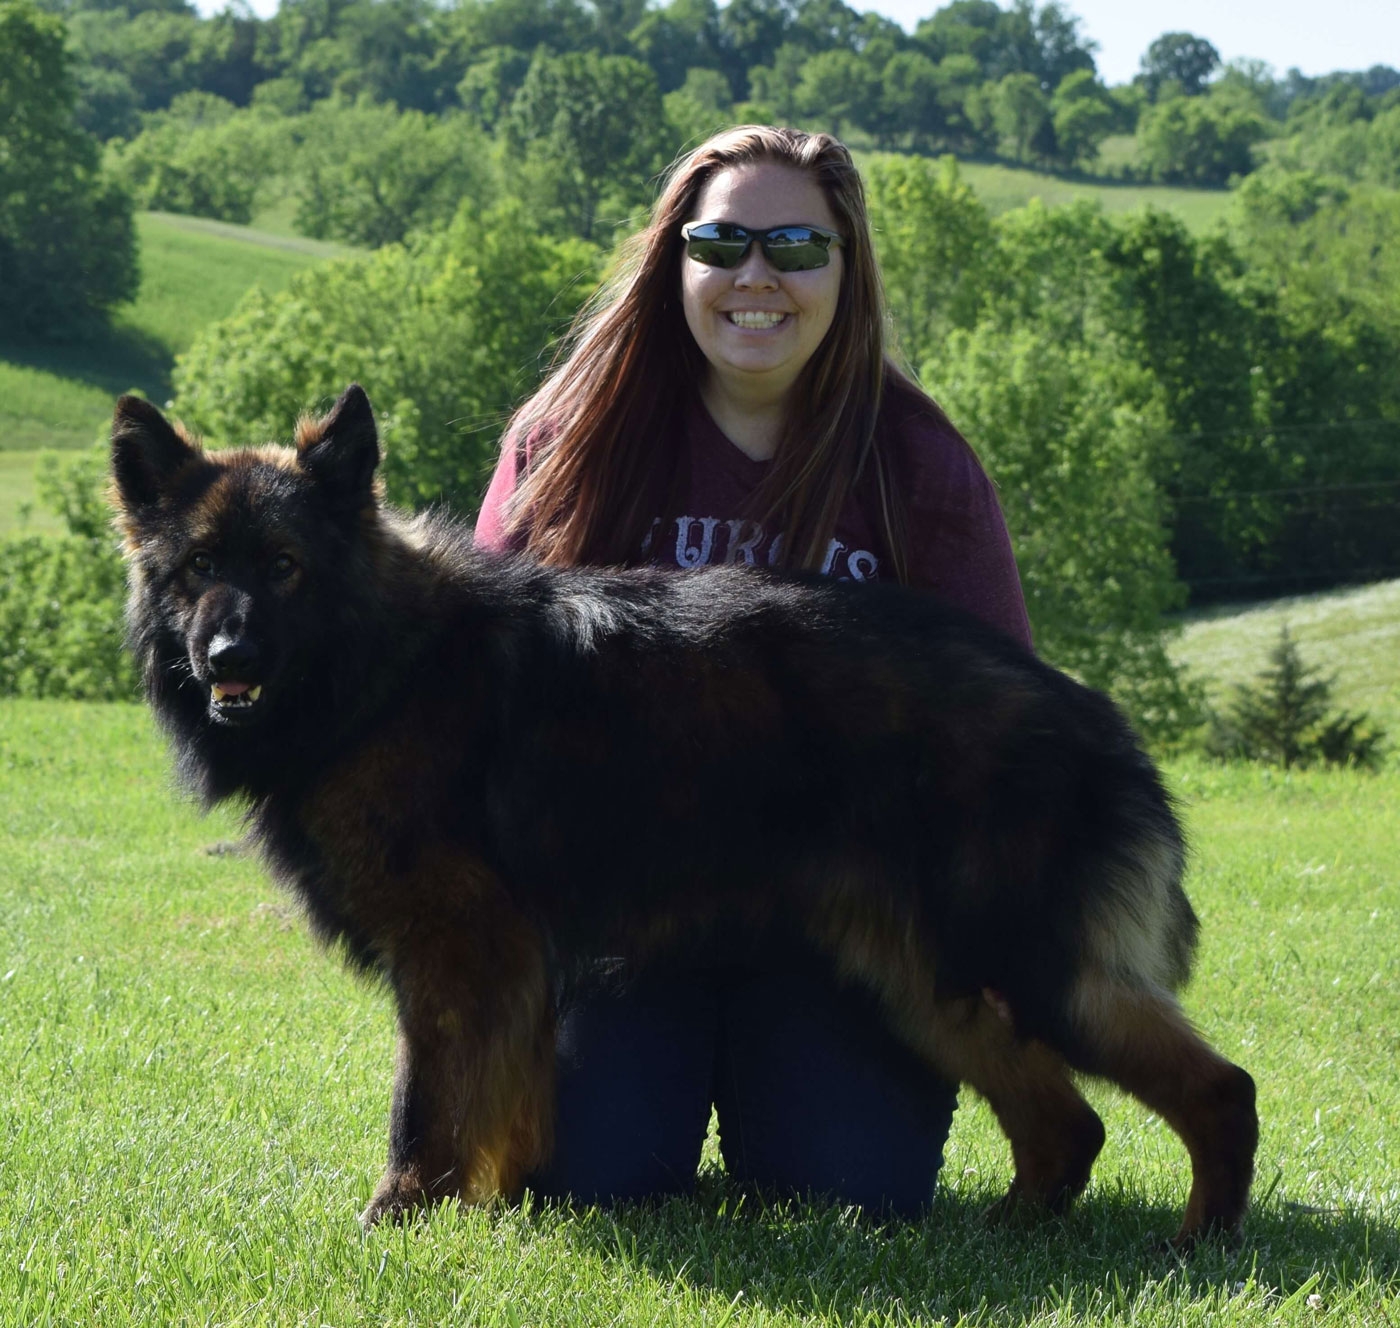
(1107, 1257)
(114, 360)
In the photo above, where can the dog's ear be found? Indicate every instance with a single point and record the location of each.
(146, 453)
(340, 451)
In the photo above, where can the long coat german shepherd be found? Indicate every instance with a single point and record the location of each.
(478, 772)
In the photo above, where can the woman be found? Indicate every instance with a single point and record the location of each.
(727, 398)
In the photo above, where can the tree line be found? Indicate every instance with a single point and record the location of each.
(971, 78)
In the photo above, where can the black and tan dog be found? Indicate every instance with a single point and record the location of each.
(478, 772)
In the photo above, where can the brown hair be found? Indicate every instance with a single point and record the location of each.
(601, 467)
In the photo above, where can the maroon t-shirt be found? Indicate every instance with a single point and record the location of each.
(958, 545)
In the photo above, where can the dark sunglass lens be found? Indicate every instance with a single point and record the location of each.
(796, 249)
(715, 253)
(718, 244)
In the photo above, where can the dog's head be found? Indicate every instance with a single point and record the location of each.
(235, 556)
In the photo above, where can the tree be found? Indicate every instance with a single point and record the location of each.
(1019, 109)
(912, 99)
(1195, 141)
(587, 128)
(1083, 116)
(750, 32)
(67, 240)
(489, 86)
(203, 158)
(61, 595)
(682, 36)
(775, 86)
(446, 333)
(936, 249)
(370, 174)
(699, 107)
(838, 87)
(1283, 718)
(1179, 61)
(1050, 420)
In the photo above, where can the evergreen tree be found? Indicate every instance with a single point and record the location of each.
(1283, 718)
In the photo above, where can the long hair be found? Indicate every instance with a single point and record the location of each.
(603, 421)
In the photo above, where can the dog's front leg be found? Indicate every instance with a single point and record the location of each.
(424, 1128)
(473, 1086)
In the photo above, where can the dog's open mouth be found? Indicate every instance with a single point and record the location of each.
(231, 698)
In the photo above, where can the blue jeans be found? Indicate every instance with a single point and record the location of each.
(814, 1095)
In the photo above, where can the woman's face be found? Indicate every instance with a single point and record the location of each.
(757, 326)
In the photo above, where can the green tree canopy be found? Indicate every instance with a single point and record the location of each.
(67, 242)
(1178, 61)
(446, 333)
(585, 129)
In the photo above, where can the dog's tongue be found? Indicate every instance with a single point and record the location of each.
(234, 688)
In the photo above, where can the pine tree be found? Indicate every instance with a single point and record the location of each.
(1282, 717)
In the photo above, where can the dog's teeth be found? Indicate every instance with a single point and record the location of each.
(255, 692)
(217, 692)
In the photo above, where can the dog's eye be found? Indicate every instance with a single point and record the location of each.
(283, 566)
(201, 564)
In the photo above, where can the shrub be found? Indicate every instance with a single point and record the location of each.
(1052, 421)
(1283, 718)
(61, 596)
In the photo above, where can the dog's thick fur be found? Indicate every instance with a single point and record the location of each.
(478, 772)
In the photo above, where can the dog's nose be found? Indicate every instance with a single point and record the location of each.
(233, 656)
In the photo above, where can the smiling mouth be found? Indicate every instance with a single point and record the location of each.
(753, 319)
(230, 696)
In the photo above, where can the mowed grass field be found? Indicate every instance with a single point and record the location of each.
(193, 272)
(1002, 187)
(195, 1099)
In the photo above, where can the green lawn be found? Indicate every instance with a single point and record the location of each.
(195, 1101)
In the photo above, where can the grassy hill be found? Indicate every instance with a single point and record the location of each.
(193, 271)
(1002, 188)
(1352, 633)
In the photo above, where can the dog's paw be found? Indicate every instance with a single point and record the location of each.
(397, 1199)
(1015, 1208)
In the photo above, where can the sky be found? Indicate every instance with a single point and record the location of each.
(1317, 38)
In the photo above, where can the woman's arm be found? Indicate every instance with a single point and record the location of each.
(958, 542)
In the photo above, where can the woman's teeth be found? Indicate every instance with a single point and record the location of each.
(754, 318)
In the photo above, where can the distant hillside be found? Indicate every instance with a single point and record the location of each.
(192, 272)
(1002, 188)
(1352, 633)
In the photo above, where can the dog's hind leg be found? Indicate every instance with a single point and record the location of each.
(1055, 1134)
(1140, 1040)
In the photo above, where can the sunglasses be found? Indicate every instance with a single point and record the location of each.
(787, 248)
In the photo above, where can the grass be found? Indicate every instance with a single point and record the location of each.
(195, 1102)
(1354, 634)
(17, 496)
(192, 272)
(1002, 188)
